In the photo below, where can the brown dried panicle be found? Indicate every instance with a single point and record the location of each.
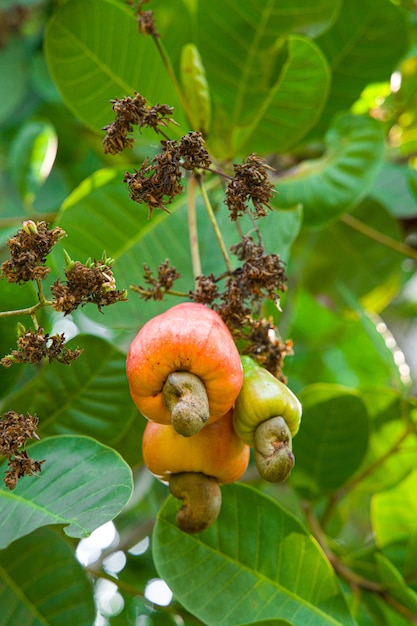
(193, 153)
(158, 182)
(130, 112)
(159, 286)
(20, 466)
(15, 430)
(206, 290)
(29, 248)
(90, 283)
(250, 183)
(33, 346)
(266, 346)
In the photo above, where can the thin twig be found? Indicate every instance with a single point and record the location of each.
(374, 234)
(360, 477)
(192, 228)
(214, 224)
(351, 577)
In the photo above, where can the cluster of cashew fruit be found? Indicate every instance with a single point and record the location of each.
(206, 406)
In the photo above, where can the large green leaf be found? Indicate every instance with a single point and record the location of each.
(274, 114)
(255, 76)
(333, 184)
(89, 397)
(363, 46)
(95, 54)
(83, 485)
(42, 584)
(394, 511)
(332, 440)
(256, 562)
(99, 215)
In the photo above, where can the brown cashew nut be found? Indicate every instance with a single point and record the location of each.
(266, 416)
(186, 398)
(201, 497)
(273, 450)
(195, 467)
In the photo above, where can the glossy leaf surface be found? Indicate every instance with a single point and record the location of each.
(249, 565)
(336, 182)
(89, 397)
(83, 484)
(42, 584)
(96, 54)
(333, 439)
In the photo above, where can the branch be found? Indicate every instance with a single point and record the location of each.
(352, 578)
(384, 240)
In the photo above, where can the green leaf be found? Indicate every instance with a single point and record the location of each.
(393, 188)
(89, 397)
(83, 484)
(363, 46)
(196, 89)
(42, 584)
(332, 440)
(388, 527)
(95, 54)
(333, 184)
(397, 587)
(274, 114)
(256, 562)
(99, 215)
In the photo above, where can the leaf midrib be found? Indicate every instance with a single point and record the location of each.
(259, 576)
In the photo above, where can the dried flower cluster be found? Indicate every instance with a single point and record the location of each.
(259, 276)
(164, 282)
(145, 19)
(34, 346)
(250, 188)
(90, 283)
(131, 112)
(158, 182)
(15, 430)
(28, 251)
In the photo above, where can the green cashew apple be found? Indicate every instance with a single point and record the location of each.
(266, 416)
